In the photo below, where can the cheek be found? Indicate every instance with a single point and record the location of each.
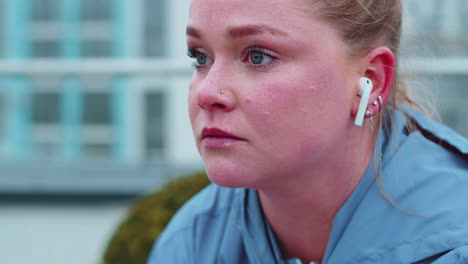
(303, 95)
(306, 104)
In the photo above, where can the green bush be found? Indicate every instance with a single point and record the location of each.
(133, 240)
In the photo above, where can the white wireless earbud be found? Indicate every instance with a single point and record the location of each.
(366, 88)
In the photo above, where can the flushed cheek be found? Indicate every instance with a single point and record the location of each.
(275, 109)
(291, 107)
(285, 100)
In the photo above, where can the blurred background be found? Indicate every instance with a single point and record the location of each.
(93, 111)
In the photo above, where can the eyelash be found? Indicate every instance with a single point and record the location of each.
(193, 53)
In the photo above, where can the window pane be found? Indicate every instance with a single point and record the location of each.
(154, 124)
(45, 10)
(97, 109)
(154, 28)
(96, 10)
(96, 49)
(44, 49)
(46, 108)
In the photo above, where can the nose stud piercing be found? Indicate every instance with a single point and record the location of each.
(221, 92)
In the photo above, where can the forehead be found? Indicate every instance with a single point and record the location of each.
(285, 14)
(218, 22)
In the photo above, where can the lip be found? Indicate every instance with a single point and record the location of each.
(218, 138)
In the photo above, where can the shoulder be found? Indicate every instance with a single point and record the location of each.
(427, 166)
(427, 181)
(429, 153)
(209, 209)
(435, 133)
(428, 172)
(211, 204)
(433, 159)
(424, 206)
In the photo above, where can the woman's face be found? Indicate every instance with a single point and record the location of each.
(271, 93)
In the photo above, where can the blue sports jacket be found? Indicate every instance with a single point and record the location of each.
(424, 172)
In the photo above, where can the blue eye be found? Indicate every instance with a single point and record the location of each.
(258, 57)
(200, 58)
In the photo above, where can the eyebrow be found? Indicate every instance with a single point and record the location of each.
(241, 31)
(193, 32)
(249, 30)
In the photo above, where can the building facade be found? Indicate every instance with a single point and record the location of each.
(93, 92)
(93, 85)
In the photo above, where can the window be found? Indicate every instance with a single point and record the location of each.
(45, 10)
(46, 108)
(96, 48)
(96, 124)
(96, 10)
(97, 108)
(96, 28)
(45, 48)
(45, 28)
(154, 124)
(46, 133)
(154, 28)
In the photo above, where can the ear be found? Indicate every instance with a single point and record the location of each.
(378, 65)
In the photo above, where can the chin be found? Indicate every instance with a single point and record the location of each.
(229, 177)
(225, 180)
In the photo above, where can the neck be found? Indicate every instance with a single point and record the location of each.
(301, 210)
(302, 232)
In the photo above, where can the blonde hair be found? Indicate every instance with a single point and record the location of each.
(366, 24)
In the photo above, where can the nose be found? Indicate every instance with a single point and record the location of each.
(215, 92)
